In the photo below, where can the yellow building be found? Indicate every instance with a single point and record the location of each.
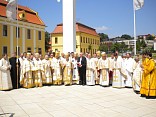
(87, 40)
(31, 31)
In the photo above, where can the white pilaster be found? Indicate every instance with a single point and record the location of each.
(69, 26)
(34, 39)
(11, 40)
(23, 39)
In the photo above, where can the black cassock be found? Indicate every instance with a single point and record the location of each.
(13, 72)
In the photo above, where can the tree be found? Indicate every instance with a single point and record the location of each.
(127, 37)
(115, 46)
(143, 43)
(103, 37)
(89, 47)
(103, 48)
(138, 45)
(150, 37)
(47, 40)
(123, 46)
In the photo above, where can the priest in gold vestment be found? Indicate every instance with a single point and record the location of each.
(148, 86)
(57, 69)
(67, 70)
(38, 68)
(104, 70)
(27, 79)
(47, 71)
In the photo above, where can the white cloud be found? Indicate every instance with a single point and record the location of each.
(101, 29)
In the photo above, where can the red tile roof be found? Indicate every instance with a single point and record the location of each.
(79, 28)
(31, 16)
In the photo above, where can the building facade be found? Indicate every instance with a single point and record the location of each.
(28, 33)
(87, 39)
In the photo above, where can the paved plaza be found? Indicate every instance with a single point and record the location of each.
(75, 101)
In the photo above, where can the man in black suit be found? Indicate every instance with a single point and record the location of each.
(13, 71)
(82, 69)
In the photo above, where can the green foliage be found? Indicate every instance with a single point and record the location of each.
(103, 37)
(47, 40)
(89, 47)
(150, 37)
(127, 37)
(103, 47)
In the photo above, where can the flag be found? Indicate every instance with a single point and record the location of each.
(138, 4)
(11, 9)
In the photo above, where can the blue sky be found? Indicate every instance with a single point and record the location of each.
(112, 17)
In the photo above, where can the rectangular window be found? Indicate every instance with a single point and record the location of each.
(39, 35)
(40, 50)
(5, 50)
(84, 50)
(28, 34)
(5, 30)
(86, 40)
(81, 50)
(56, 40)
(18, 32)
(81, 39)
(29, 49)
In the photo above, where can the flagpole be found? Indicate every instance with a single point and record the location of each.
(17, 42)
(134, 30)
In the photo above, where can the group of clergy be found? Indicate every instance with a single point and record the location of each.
(33, 70)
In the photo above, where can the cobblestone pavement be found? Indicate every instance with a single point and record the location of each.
(75, 101)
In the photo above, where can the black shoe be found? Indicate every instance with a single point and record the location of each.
(143, 95)
(150, 97)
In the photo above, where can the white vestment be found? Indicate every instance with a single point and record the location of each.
(5, 79)
(47, 71)
(21, 66)
(111, 65)
(38, 68)
(129, 70)
(90, 72)
(137, 76)
(75, 71)
(27, 79)
(95, 67)
(104, 72)
(56, 66)
(118, 80)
